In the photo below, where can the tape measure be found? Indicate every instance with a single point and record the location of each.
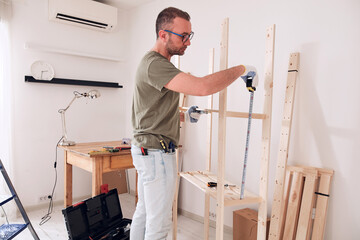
(247, 145)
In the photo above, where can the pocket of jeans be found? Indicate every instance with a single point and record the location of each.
(170, 164)
(145, 165)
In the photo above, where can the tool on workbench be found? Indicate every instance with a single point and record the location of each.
(92, 152)
(107, 148)
(123, 148)
(251, 83)
(114, 150)
(214, 184)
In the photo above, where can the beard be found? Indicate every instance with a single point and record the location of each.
(172, 50)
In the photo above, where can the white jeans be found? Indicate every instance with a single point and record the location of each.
(157, 174)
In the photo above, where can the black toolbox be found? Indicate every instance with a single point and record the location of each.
(96, 218)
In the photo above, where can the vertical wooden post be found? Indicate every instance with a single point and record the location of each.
(321, 206)
(209, 115)
(293, 206)
(177, 152)
(307, 204)
(222, 134)
(266, 132)
(68, 182)
(208, 143)
(278, 202)
(97, 165)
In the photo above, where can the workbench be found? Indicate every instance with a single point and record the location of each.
(97, 163)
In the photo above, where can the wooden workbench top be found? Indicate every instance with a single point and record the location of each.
(84, 149)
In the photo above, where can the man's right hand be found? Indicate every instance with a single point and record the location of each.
(250, 77)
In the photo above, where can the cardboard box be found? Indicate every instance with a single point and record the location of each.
(245, 224)
(116, 179)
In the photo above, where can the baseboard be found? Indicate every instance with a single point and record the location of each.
(200, 219)
(132, 192)
(55, 203)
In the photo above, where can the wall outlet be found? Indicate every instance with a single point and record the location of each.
(212, 215)
(44, 198)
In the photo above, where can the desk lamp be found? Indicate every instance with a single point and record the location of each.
(91, 94)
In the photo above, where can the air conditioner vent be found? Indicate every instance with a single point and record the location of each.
(84, 13)
(81, 21)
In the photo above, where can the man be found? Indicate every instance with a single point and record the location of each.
(156, 120)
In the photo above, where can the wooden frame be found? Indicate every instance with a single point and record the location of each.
(306, 191)
(231, 195)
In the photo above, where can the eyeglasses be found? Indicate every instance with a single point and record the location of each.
(184, 37)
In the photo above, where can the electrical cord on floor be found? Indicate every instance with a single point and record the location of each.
(47, 216)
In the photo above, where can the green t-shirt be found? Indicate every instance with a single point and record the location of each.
(155, 109)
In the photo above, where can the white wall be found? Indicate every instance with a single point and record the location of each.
(36, 121)
(325, 131)
(326, 112)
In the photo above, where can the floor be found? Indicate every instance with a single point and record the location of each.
(55, 229)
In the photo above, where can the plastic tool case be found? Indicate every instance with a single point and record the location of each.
(97, 218)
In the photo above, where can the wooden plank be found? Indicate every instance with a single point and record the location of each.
(286, 195)
(231, 194)
(79, 161)
(182, 99)
(222, 134)
(208, 149)
(278, 205)
(68, 182)
(266, 131)
(320, 171)
(121, 162)
(321, 207)
(306, 207)
(287, 186)
(293, 206)
(209, 115)
(195, 181)
(231, 113)
(96, 176)
(245, 115)
(303, 170)
(175, 201)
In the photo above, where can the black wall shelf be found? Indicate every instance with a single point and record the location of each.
(75, 82)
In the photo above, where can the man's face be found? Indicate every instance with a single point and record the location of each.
(175, 44)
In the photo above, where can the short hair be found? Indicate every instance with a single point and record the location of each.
(167, 16)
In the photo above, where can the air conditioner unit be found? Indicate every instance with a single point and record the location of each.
(84, 13)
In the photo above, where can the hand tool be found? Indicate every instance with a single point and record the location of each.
(171, 147)
(214, 184)
(247, 138)
(92, 152)
(114, 150)
(123, 148)
(250, 78)
(163, 146)
(144, 151)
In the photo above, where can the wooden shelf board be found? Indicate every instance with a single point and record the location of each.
(75, 82)
(231, 194)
